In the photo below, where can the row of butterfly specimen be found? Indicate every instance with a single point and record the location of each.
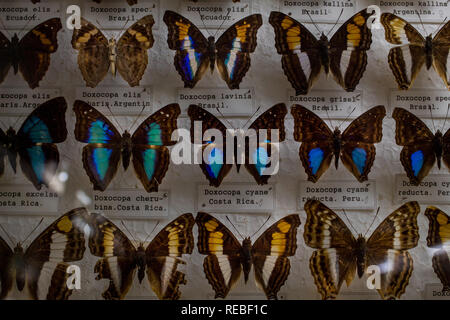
(130, 2)
(35, 143)
(337, 258)
(303, 56)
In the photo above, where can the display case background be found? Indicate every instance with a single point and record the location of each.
(270, 87)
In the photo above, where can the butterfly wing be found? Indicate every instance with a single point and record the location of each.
(407, 59)
(45, 126)
(5, 56)
(3, 151)
(191, 58)
(6, 274)
(257, 156)
(334, 261)
(216, 168)
(35, 49)
(387, 248)
(441, 58)
(417, 155)
(299, 49)
(222, 265)
(316, 150)
(117, 253)
(62, 242)
(234, 47)
(150, 156)
(270, 254)
(358, 151)
(348, 51)
(102, 154)
(163, 255)
(93, 53)
(132, 58)
(446, 149)
(439, 238)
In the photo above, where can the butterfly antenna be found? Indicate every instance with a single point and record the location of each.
(314, 24)
(421, 22)
(348, 116)
(203, 23)
(110, 36)
(439, 27)
(351, 225)
(32, 231)
(373, 221)
(7, 234)
(248, 120)
(123, 28)
(226, 120)
(137, 118)
(4, 28)
(329, 119)
(131, 235)
(235, 227)
(24, 27)
(261, 226)
(157, 223)
(337, 21)
(446, 117)
(221, 25)
(115, 119)
(432, 120)
(3, 125)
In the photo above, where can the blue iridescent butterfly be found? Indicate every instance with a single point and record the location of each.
(195, 53)
(421, 148)
(258, 157)
(105, 145)
(35, 142)
(355, 146)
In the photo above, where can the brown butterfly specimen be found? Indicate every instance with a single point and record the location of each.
(303, 56)
(128, 55)
(226, 257)
(421, 148)
(355, 146)
(159, 260)
(414, 51)
(58, 245)
(195, 53)
(31, 54)
(339, 255)
(256, 156)
(439, 238)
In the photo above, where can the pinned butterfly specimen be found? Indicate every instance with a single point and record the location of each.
(160, 259)
(61, 243)
(355, 146)
(303, 56)
(226, 257)
(31, 54)
(421, 148)
(231, 52)
(439, 238)
(128, 55)
(105, 145)
(258, 150)
(339, 255)
(35, 142)
(414, 51)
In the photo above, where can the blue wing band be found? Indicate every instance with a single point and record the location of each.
(359, 157)
(315, 158)
(417, 162)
